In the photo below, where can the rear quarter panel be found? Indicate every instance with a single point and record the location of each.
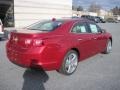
(58, 46)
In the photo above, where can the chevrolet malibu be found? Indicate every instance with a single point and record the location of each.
(57, 44)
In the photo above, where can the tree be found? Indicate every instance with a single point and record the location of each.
(74, 8)
(116, 10)
(79, 8)
(94, 7)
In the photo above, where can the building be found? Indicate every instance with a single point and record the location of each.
(80, 13)
(103, 13)
(20, 13)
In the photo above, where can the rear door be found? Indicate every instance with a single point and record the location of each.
(85, 39)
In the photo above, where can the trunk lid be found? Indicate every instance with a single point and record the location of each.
(19, 38)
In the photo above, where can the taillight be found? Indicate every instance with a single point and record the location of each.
(37, 42)
(33, 42)
(28, 41)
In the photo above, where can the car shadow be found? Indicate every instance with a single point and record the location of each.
(34, 79)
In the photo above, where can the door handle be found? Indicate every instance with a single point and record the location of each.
(95, 38)
(80, 39)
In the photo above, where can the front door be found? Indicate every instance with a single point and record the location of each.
(85, 39)
(99, 37)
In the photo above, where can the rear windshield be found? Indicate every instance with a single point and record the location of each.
(45, 25)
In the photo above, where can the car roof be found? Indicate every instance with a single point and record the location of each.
(64, 20)
(73, 19)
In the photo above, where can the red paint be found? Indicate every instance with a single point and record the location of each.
(52, 46)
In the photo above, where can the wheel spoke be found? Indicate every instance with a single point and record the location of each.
(67, 63)
(69, 68)
(74, 58)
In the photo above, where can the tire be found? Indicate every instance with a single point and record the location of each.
(69, 65)
(108, 47)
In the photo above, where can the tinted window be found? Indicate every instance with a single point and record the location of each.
(79, 28)
(45, 26)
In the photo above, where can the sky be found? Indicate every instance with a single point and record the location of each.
(105, 4)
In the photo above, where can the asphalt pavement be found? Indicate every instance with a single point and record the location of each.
(100, 72)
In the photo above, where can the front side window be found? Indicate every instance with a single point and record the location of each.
(94, 28)
(45, 26)
(79, 28)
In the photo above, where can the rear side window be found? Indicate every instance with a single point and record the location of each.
(79, 28)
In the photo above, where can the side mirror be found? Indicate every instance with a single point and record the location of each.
(103, 31)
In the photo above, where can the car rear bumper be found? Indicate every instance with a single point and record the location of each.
(30, 59)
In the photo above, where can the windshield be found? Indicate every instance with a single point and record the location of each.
(45, 26)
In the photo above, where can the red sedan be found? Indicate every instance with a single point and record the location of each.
(57, 44)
